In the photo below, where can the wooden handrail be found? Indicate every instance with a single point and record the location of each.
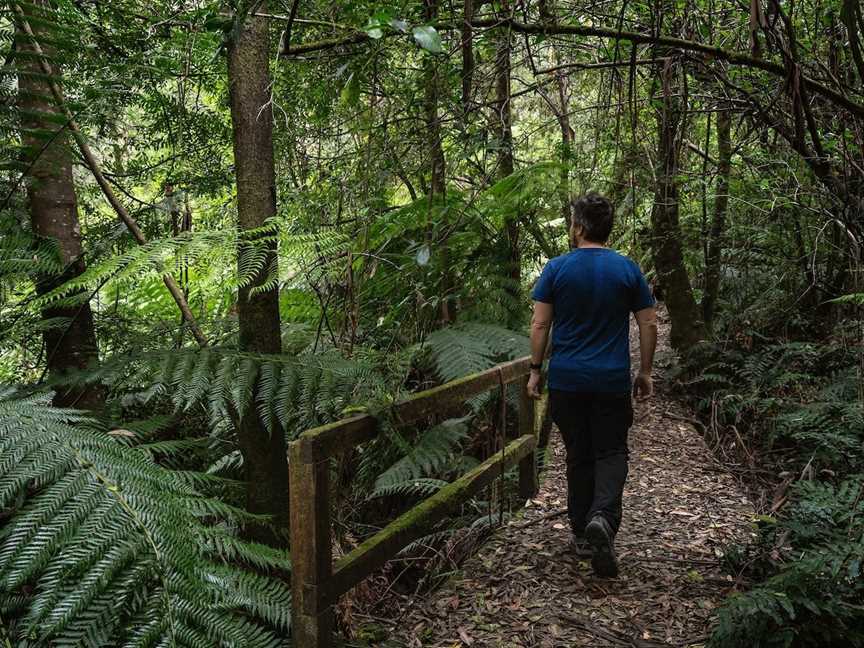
(316, 587)
(330, 439)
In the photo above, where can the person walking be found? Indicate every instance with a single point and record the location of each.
(586, 297)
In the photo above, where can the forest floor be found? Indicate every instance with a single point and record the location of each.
(524, 588)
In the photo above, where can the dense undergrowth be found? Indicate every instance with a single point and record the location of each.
(124, 531)
(790, 415)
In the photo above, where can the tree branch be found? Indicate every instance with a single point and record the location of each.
(710, 51)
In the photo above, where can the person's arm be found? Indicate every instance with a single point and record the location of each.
(643, 387)
(541, 322)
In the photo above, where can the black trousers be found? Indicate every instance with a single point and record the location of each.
(594, 427)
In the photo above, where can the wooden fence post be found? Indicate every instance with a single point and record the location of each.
(528, 482)
(311, 557)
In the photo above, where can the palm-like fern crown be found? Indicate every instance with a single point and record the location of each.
(290, 393)
(107, 548)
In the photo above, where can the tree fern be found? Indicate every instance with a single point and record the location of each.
(470, 347)
(21, 254)
(412, 488)
(294, 393)
(431, 455)
(103, 547)
(160, 256)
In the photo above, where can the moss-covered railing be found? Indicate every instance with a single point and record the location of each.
(316, 582)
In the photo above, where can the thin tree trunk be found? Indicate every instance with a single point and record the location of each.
(54, 213)
(687, 327)
(503, 117)
(433, 123)
(437, 168)
(548, 14)
(566, 142)
(505, 163)
(264, 454)
(467, 57)
(718, 222)
(561, 109)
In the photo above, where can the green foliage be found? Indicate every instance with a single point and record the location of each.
(431, 454)
(428, 38)
(168, 255)
(469, 347)
(373, 266)
(289, 393)
(833, 431)
(526, 190)
(21, 254)
(411, 489)
(814, 598)
(802, 399)
(100, 546)
(806, 394)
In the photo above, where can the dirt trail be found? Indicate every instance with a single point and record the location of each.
(523, 588)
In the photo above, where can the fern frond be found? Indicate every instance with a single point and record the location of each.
(471, 347)
(416, 488)
(430, 455)
(103, 546)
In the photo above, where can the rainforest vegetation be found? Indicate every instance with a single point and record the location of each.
(224, 223)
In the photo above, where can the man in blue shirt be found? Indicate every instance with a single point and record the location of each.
(588, 294)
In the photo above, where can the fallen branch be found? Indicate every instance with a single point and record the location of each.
(543, 518)
(670, 559)
(692, 421)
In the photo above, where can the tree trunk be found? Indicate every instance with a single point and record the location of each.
(560, 107)
(54, 213)
(503, 128)
(505, 164)
(433, 122)
(437, 168)
(718, 222)
(566, 143)
(687, 327)
(264, 454)
(467, 58)
(548, 14)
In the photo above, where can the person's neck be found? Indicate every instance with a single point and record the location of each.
(589, 244)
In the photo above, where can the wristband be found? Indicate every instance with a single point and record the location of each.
(535, 367)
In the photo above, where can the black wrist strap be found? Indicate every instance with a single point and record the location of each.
(535, 367)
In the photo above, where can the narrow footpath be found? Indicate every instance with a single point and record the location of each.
(523, 588)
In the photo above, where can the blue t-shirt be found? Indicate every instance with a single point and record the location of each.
(592, 292)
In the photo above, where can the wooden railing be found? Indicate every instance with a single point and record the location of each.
(316, 583)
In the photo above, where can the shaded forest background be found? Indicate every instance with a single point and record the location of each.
(226, 223)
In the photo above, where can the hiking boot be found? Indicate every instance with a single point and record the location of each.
(600, 536)
(579, 546)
